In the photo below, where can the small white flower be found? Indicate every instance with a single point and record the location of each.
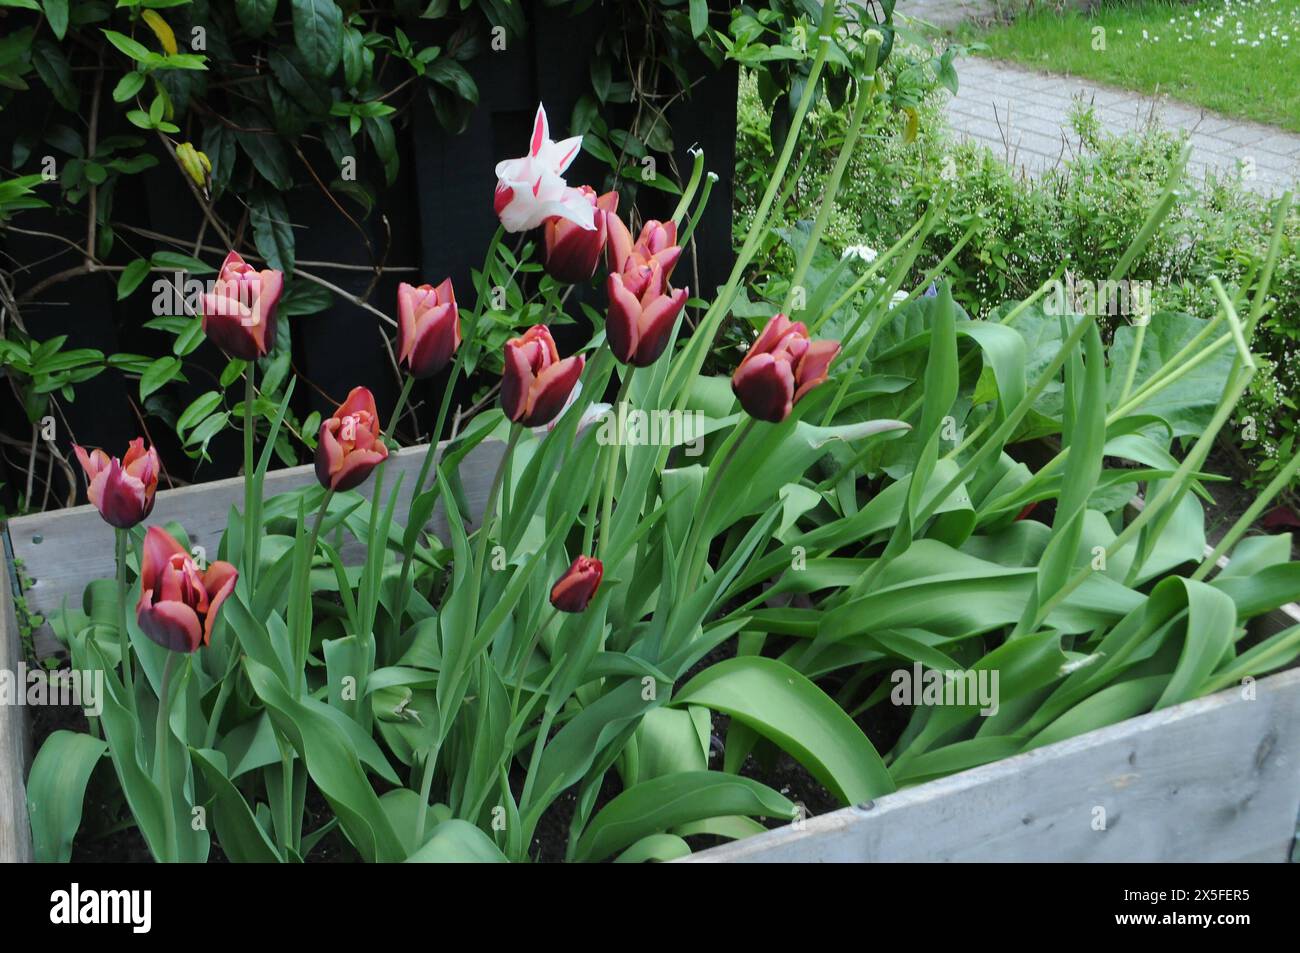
(865, 252)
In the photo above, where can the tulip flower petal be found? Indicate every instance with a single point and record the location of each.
(548, 393)
(765, 387)
(173, 625)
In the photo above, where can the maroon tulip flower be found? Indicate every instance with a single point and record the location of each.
(572, 252)
(780, 368)
(536, 383)
(574, 590)
(239, 312)
(428, 327)
(349, 445)
(638, 328)
(632, 260)
(122, 490)
(178, 604)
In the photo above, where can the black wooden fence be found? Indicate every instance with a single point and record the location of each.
(437, 217)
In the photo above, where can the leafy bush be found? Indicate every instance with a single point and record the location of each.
(1077, 216)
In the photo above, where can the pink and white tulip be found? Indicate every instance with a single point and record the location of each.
(532, 189)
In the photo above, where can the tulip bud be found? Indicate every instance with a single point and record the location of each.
(239, 312)
(780, 368)
(638, 330)
(195, 164)
(178, 604)
(122, 490)
(572, 251)
(349, 445)
(428, 327)
(574, 590)
(536, 383)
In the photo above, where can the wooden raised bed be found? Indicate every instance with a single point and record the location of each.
(1217, 778)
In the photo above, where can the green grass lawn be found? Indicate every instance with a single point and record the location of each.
(1237, 57)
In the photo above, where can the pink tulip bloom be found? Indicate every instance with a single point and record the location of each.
(632, 260)
(532, 189)
(178, 604)
(239, 312)
(638, 328)
(428, 327)
(122, 490)
(536, 383)
(780, 368)
(349, 445)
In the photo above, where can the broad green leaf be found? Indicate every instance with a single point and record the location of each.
(56, 789)
(797, 716)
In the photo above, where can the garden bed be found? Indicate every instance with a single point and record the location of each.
(1160, 778)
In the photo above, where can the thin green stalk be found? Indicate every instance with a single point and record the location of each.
(124, 637)
(694, 554)
(866, 93)
(1247, 519)
(489, 508)
(688, 193)
(391, 429)
(685, 234)
(535, 760)
(252, 533)
(161, 732)
(522, 668)
(612, 454)
(687, 365)
(1168, 490)
(865, 277)
(426, 788)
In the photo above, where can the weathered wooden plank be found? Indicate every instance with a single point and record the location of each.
(15, 832)
(63, 550)
(1214, 779)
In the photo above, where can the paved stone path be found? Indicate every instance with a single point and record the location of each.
(1023, 116)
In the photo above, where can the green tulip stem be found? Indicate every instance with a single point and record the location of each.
(612, 453)
(696, 551)
(688, 193)
(866, 93)
(522, 668)
(426, 788)
(251, 532)
(161, 767)
(444, 407)
(124, 635)
(391, 429)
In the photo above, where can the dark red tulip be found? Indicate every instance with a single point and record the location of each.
(536, 383)
(572, 252)
(780, 368)
(178, 604)
(349, 446)
(574, 590)
(122, 490)
(428, 327)
(239, 312)
(638, 328)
